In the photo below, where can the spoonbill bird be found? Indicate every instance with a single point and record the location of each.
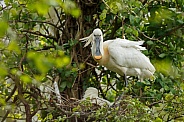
(92, 94)
(120, 55)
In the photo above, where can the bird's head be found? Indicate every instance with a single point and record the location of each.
(97, 44)
(96, 40)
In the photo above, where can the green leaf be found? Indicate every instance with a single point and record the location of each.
(103, 14)
(158, 120)
(63, 84)
(135, 33)
(70, 8)
(25, 78)
(149, 42)
(2, 102)
(75, 12)
(128, 30)
(132, 19)
(180, 21)
(3, 28)
(4, 71)
(13, 46)
(50, 116)
(69, 84)
(162, 55)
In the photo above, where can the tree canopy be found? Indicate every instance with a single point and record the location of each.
(39, 45)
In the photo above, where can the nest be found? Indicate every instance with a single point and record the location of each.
(85, 111)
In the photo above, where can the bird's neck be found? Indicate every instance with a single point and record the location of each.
(105, 56)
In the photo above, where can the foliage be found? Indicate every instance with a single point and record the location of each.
(39, 43)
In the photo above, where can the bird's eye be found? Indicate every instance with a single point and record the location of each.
(97, 35)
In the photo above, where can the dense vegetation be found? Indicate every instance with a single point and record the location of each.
(40, 44)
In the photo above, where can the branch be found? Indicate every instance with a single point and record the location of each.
(7, 99)
(154, 39)
(5, 116)
(176, 117)
(71, 114)
(112, 86)
(171, 31)
(45, 48)
(21, 61)
(92, 66)
(98, 82)
(11, 94)
(58, 15)
(21, 97)
(166, 34)
(44, 22)
(152, 104)
(39, 34)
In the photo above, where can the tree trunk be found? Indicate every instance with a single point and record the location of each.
(75, 29)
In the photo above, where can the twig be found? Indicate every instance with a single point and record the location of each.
(7, 99)
(171, 31)
(111, 85)
(91, 65)
(11, 94)
(87, 58)
(38, 34)
(152, 104)
(59, 19)
(154, 39)
(5, 116)
(44, 22)
(86, 70)
(21, 61)
(123, 35)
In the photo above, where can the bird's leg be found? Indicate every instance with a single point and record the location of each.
(126, 81)
(140, 90)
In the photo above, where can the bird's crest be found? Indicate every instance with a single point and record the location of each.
(88, 40)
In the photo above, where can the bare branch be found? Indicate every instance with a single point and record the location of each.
(39, 34)
(44, 22)
(154, 39)
(172, 31)
(5, 116)
(21, 98)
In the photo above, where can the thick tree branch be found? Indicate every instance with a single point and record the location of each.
(21, 97)
(7, 99)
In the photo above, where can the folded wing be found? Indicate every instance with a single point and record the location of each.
(127, 54)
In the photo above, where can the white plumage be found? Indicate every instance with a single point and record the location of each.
(120, 55)
(92, 94)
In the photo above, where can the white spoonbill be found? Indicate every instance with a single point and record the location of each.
(120, 55)
(92, 94)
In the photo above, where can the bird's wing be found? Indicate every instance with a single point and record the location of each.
(128, 43)
(127, 54)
